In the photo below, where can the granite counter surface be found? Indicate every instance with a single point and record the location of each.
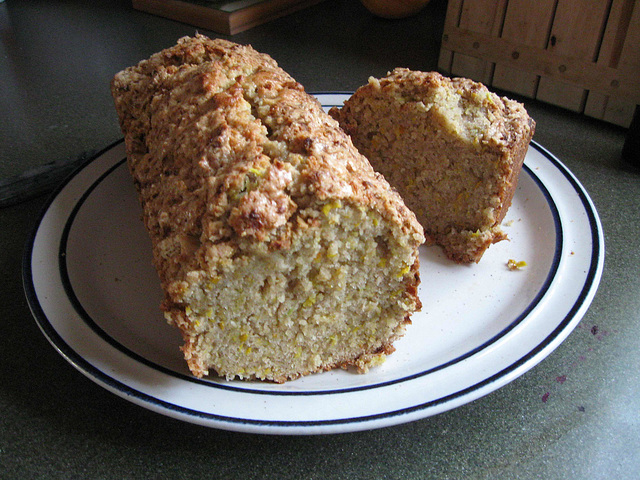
(576, 415)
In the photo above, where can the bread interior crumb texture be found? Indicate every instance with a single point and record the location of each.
(280, 250)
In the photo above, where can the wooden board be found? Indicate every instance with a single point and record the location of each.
(226, 17)
(622, 25)
(576, 32)
(583, 55)
(481, 16)
(526, 22)
(445, 59)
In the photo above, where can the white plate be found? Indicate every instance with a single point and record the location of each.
(92, 289)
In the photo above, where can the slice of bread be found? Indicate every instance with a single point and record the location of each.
(452, 148)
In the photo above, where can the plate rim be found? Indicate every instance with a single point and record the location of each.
(532, 358)
(88, 319)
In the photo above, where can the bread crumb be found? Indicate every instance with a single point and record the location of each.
(516, 265)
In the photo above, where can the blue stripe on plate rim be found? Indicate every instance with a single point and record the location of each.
(86, 317)
(101, 377)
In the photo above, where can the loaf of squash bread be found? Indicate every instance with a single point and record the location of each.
(452, 148)
(280, 251)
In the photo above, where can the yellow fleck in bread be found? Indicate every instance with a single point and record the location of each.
(452, 148)
(280, 250)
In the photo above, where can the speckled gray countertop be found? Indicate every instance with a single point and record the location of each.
(576, 415)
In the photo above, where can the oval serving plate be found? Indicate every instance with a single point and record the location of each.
(94, 294)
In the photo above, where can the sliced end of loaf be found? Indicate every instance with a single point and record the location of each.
(339, 295)
(450, 147)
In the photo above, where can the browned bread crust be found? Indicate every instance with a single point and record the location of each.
(451, 147)
(272, 235)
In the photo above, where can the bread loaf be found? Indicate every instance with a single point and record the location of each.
(452, 148)
(280, 251)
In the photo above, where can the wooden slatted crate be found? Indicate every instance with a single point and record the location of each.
(583, 55)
